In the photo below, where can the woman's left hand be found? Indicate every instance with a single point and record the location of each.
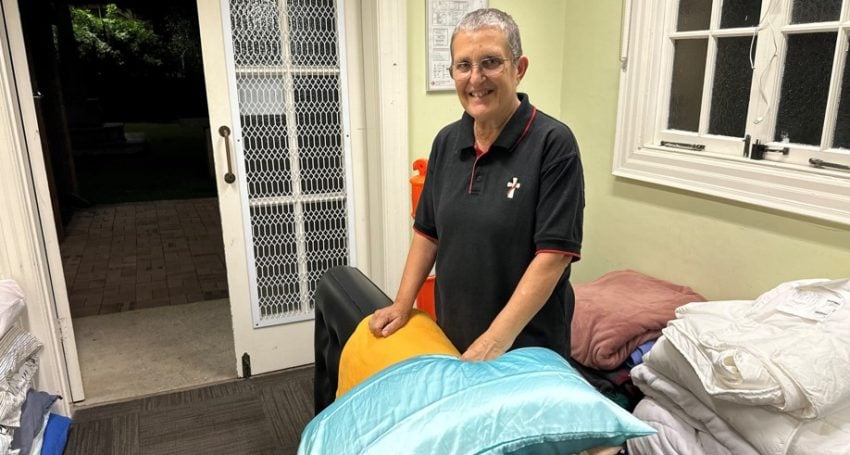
(486, 347)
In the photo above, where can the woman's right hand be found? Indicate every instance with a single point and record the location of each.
(387, 320)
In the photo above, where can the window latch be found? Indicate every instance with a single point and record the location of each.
(683, 145)
(820, 164)
(758, 150)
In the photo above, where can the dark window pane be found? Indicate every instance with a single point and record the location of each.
(804, 11)
(256, 32)
(805, 86)
(276, 259)
(264, 136)
(731, 92)
(740, 13)
(686, 88)
(326, 239)
(319, 134)
(694, 15)
(312, 32)
(267, 167)
(842, 123)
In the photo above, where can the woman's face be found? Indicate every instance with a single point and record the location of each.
(487, 98)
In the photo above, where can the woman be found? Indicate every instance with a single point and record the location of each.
(501, 209)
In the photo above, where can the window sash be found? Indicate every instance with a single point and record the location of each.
(767, 79)
(720, 170)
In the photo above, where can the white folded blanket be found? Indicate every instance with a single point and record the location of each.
(675, 434)
(667, 377)
(789, 349)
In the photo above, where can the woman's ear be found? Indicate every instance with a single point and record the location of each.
(521, 67)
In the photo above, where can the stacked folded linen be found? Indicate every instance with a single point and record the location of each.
(785, 350)
(676, 433)
(19, 352)
(18, 365)
(763, 376)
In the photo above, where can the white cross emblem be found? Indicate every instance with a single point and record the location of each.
(513, 186)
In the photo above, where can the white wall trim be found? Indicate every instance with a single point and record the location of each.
(22, 239)
(357, 129)
(385, 67)
(796, 189)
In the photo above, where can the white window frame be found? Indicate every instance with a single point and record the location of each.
(643, 101)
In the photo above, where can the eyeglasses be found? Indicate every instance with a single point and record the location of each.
(489, 67)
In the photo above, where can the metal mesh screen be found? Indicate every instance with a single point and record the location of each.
(288, 82)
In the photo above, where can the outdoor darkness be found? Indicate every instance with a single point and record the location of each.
(119, 95)
(125, 82)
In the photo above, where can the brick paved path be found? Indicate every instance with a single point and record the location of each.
(143, 254)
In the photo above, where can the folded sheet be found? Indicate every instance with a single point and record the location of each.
(675, 434)
(668, 377)
(786, 350)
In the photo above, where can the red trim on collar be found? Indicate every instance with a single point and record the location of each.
(527, 128)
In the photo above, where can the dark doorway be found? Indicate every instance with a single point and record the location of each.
(119, 90)
(121, 104)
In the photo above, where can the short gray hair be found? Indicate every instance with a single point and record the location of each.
(492, 18)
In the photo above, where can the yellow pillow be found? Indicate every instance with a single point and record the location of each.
(365, 354)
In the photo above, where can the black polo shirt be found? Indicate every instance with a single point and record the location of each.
(491, 215)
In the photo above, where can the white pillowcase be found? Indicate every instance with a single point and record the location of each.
(11, 304)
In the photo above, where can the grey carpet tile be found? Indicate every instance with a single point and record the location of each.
(284, 404)
(261, 415)
(113, 435)
(232, 424)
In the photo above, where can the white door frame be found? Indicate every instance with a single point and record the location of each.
(28, 229)
(385, 58)
(30, 241)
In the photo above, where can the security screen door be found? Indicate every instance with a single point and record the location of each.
(275, 75)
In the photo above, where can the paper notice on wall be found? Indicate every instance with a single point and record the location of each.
(443, 16)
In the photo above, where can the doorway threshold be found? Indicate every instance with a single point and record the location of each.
(154, 350)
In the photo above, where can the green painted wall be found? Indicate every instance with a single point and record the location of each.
(723, 249)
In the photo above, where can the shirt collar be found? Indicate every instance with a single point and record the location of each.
(507, 138)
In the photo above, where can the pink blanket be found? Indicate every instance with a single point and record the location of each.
(618, 312)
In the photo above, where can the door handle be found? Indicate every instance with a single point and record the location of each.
(225, 133)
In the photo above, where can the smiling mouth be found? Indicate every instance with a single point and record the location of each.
(480, 93)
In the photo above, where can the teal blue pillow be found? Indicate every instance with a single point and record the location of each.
(530, 400)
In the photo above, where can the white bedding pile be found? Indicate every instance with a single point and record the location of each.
(18, 362)
(765, 376)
